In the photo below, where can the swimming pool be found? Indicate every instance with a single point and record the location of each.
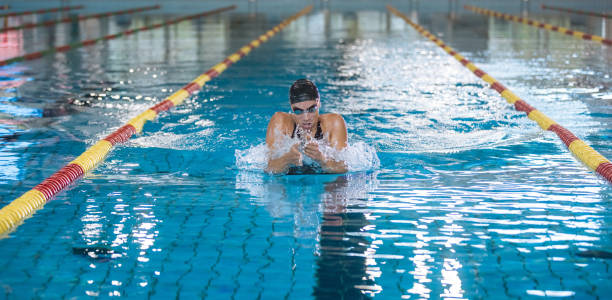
(469, 198)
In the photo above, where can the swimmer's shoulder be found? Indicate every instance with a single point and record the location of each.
(279, 115)
(283, 121)
(331, 120)
(334, 127)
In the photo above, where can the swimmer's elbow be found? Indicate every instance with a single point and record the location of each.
(272, 170)
(270, 167)
(336, 167)
(275, 166)
(340, 170)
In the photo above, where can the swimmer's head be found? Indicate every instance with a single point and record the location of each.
(303, 90)
(305, 103)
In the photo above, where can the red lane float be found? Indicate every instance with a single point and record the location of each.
(40, 11)
(579, 148)
(13, 214)
(80, 18)
(64, 48)
(567, 31)
(576, 11)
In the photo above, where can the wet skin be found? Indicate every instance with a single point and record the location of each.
(332, 126)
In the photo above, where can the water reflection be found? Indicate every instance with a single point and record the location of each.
(332, 210)
(113, 235)
(11, 44)
(345, 266)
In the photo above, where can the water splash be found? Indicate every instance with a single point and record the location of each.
(358, 156)
(253, 158)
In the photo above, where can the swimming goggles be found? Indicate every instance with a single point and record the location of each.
(299, 111)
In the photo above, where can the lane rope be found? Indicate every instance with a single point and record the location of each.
(40, 11)
(576, 146)
(13, 214)
(576, 11)
(64, 48)
(80, 18)
(560, 29)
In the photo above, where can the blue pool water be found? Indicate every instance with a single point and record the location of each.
(468, 198)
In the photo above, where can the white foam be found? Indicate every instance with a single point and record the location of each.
(358, 156)
(253, 159)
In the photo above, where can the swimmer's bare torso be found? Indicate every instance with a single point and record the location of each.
(307, 127)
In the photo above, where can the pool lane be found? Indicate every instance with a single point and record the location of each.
(465, 180)
(560, 29)
(81, 18)
(40, 11)
(64, 48)
(14, 213)
(579, 148)
(576, 11)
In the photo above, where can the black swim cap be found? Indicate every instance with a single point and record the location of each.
(303, 90)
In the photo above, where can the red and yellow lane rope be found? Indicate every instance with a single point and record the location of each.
(5, 7)
(579, 148)
(80, 18)
(574, 33)
(40, 11)
(64, 48)
(14, 213)
(576, 11)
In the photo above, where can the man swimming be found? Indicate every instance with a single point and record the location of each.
(305, 123)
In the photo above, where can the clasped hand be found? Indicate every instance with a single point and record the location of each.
(311, 150)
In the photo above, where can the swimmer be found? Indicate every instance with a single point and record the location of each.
(305, 123)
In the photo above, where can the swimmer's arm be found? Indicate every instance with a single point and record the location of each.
(276, 166)
(338, 139)
(282, 164)
(334, 166)
(280, 123)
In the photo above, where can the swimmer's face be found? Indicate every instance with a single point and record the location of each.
(306, 113)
